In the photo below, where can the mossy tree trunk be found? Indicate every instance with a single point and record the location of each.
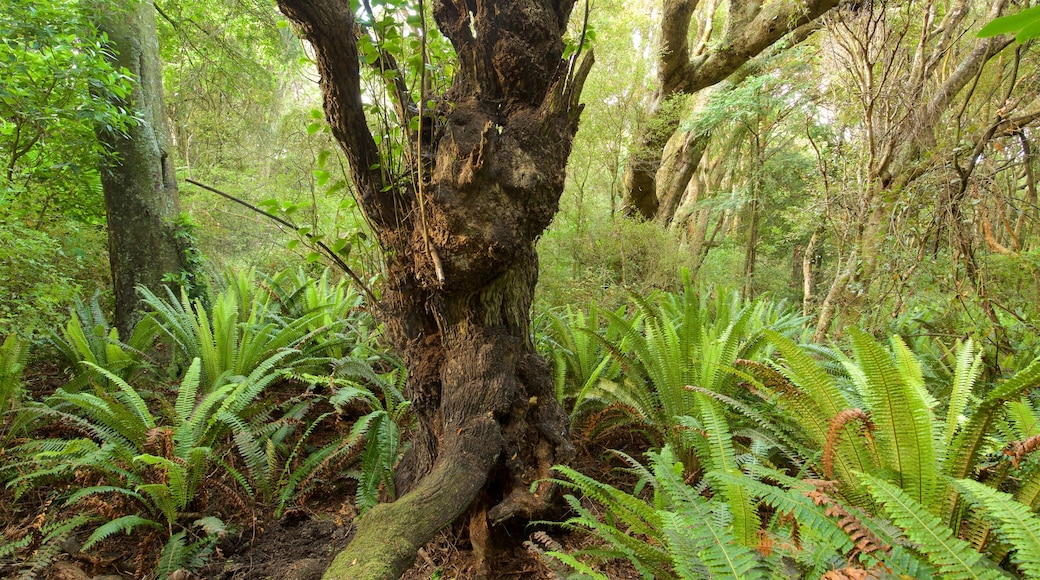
(458, 237)
(662, 162)
(141, 201)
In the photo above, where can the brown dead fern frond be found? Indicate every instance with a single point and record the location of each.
(834, 435)
(853, 573)
(1018, 450)
(864, 540)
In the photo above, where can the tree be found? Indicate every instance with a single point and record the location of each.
(141, 202)
(905, 68)
(56, 81)
(457, 225)
(665, 156)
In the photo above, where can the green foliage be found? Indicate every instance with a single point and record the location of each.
(14, 353)
(42, 274)
(89, 341)
(581, 360)
(55, 94)
(1014, 522)
(30, 551)
(1024, 24)
(677, 340)
(952, 556)
(193, 276)
(190, 549)
(243, 329)
(892, 390)
(687, 532)
(380, 430)
(603, 261)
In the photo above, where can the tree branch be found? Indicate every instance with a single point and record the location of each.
(329, 253)
(771, 24)
(326, 24)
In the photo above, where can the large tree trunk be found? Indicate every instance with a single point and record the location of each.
(141, 201)
(458, 237)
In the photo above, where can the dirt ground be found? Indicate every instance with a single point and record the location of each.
(303, 542)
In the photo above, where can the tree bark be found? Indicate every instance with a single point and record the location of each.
(458, 236)
(751, 29)
(141, 199)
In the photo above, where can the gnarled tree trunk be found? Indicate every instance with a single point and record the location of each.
(458, 236)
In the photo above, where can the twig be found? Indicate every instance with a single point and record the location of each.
(325, 249)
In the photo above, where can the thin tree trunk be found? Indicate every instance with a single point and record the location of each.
(829, 306)
(807, 273)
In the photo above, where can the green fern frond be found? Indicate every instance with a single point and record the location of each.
(723, 458)
(1029, 487)
(813, 402)
(14, 354)
(953, 557)
(188, 390)
(650, 559)
(1014, 522)
(129, 396)
(967, 370)
(811, 519)
(635, 514)
(969, 443)
(699, 555)
(702, 533)
(101, 489)
(250, 449)
(173, 555)
(904, 420)
(125, 524)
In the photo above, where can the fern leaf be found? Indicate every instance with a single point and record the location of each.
(188, 390)
(129, 396)
(953, 557)
(125, 524)
(702, 550)
(969, 443)
(967, 369)
(810, 518)
(173, 555)
(98, 489)
(577, 565)
(723, 458)
(903, 418)
(1014, 522)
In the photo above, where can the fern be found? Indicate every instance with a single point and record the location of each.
(678, 533)
(698, 531)
(14, 353)
(813, 399)
(40, 544)
(1014, 522)
(902, 415)
(125, 524)
(721, 456)
(953, 557)
(967, 369)
(970, 442)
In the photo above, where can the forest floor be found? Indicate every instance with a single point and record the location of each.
(303, 542)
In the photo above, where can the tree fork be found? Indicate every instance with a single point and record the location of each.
(461, 264)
